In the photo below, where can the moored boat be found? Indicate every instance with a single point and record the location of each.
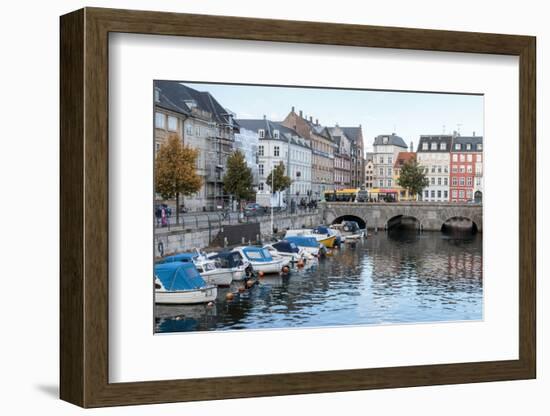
(350, 230)
(181, 283)
(232, 260)
(325, 239)
(307, 243)
(288, 249)
(260, 259)
(206, 267)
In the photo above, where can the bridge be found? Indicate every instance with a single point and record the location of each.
(429, 216)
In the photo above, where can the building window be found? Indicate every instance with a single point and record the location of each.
(189, 129)
(468, 146)
(172, 123)
(446, 194)
(469, 168)
(478, 158)
(198, 131)
(479, 147)
(389, 171)
(261, 133)
(261, 186)
(446, 181)
(455, 181)
(434, 146)
(439, 169)
(389, 183)
(461, 194)
(261, 169)
(426, 194)
(439, 181)
(433, 169)
(276, 151)
(446, 169)
(457, 146)
(260, 150)
(469, 158)
(157, 146)
(439, 194)
(462, 158)
(469, 194)
(455, 169)
(432, 194)
(461, 181)
(390, 159)
(425, 146)
(455, 157)
(462, 169)
(275, 134)
(469, 181)
(160, 121)
(381, 183)
(454, 193)
(432, 180)
(381, 171)
(381, 159)
(443, 146)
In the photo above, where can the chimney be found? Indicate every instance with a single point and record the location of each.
(310, 119)
(265, 117)
(316, 121)
(412, 146)
(292, 109)
(301, 113)
(474, 134)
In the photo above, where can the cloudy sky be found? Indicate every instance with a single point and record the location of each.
(408, 114)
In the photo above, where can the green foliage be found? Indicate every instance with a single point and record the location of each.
(280, 180)
(238, 180)
(412, 178)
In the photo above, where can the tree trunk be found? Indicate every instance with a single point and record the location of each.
(177, 208)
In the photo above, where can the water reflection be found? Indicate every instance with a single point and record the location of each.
(390, 278)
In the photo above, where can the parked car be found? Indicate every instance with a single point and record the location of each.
(254, 208)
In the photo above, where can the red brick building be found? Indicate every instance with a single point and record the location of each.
(466, 169)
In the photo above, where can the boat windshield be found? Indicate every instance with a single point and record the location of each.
(254, 255)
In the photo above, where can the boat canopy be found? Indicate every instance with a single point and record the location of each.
(257, 254)
(176, 276)
(228, 259)
(303, 241)
(351, 226)
(286, 246)
(322, 229)
(182, 257)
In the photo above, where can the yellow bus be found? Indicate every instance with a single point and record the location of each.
(347, 195)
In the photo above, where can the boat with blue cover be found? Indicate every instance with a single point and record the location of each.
(181, 283)
(328, 239)
(308, 243)
(288, 249)
(233, 261)
(261, 260)
(207, 268)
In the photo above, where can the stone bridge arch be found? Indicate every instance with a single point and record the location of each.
(431, 216)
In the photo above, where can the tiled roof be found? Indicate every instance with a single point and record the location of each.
(404, 157)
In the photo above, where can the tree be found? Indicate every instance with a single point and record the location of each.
(175, 171)
(238, 180)
(412, 177)
(277, 180)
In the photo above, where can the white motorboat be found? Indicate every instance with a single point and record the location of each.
(233, 261)
(206, 267)
(289, 250)
(261, 260)
(181, 283)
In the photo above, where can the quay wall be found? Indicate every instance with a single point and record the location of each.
(178, 238)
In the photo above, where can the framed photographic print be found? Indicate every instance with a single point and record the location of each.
(255, 207)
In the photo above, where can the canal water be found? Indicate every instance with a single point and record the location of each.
(400, 277)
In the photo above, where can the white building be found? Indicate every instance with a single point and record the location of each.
(433, 154)
(386, 148)
(279, 144)
(247, 141)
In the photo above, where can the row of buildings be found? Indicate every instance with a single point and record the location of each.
(317, 158)
(453, 165)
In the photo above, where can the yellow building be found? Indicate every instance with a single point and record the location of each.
(402, 158)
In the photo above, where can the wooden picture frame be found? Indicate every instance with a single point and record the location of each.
(84, 207)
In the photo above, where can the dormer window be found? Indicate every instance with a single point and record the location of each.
(457, 146)
(479, 147)
(275, 134)
(261, 133)
(385, 140)
(434, 146)
(443, 146)
(157, 95)
(468, 146)
(190, 103)
(425, 146)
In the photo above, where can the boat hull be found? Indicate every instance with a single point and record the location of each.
(218, 277)
(186, 297)
(328, 242)
(274, 266)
